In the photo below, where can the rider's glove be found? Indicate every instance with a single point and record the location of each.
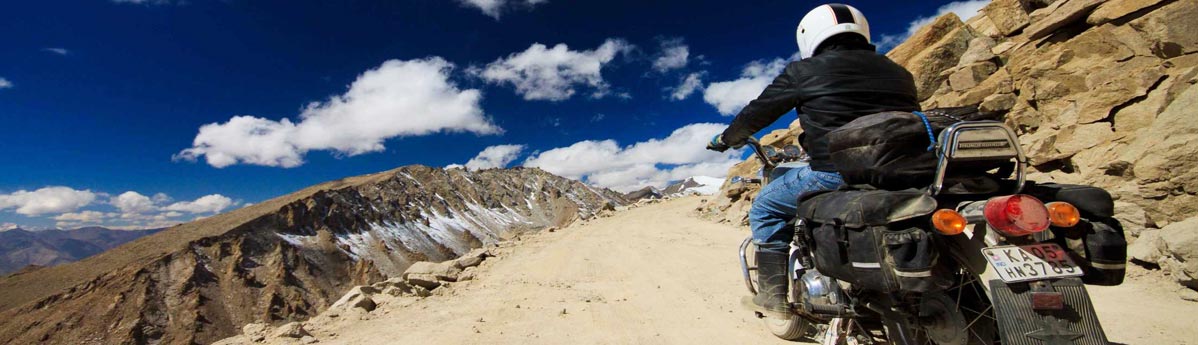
(717, 144)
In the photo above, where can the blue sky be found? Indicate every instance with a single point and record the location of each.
(137, 113)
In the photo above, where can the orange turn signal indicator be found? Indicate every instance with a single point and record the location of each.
(1063, 214)
(949, 222)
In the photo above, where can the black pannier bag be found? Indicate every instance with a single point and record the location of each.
(871, 238)
(894, 150)
(1097, 242)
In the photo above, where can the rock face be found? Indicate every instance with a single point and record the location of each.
(284, 259)
(1100, 92)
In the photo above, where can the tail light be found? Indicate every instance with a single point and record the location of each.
(1017, 215)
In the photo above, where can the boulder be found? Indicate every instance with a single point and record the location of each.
(1131, 216)
(440, 270)
(1181, 251)
(998, 102)
(928, 66)
(1115, 9)
(982, 25)
(1165, 162)
(255, 332)
(358, 297)
(980, 49)
(1148, 248)
(970, 76)
(291, 330)
(1009, 16)
(1047, 20)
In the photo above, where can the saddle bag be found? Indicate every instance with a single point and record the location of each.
(894, 150)
(870, 238)
(1097, 243)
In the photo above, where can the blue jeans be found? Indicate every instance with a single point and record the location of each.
(777, 203)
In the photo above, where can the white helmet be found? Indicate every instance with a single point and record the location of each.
(826, 21)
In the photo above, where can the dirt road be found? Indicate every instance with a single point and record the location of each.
(650, 275)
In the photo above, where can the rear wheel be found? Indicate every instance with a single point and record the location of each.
(961, 315)
(795, 328)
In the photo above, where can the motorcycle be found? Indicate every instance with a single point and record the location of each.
(995, 275)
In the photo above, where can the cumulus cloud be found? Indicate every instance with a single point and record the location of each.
(728, 97)
(59, 51)
(133, 203)
(963, 9)
(691, 83)
(213, 203)
(653, 162)
(84, 217)
(554, 74)
(46, 200)
(495, 8)
(498, 156)
(674, 55)
(397, 99)
(5, 84)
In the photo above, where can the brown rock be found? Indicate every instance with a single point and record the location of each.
(971, 75)
(439, 270)
(255, 332)
(1171, 29)
(1148, 248)
(1009, 16)
(358, 297)
(291, 330)
(982, 25)
(1047, 20)
(924, 38)
(1115, 9)
(1074, 139)
(1181, 251)
(980, 49)
(998, 102)
(928, 66)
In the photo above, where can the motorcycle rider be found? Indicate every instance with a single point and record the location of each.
(839, 77)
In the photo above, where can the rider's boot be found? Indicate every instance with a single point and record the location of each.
(771, 286)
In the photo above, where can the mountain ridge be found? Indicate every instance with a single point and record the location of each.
(285, 258)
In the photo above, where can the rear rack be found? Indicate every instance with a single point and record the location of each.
(978, 141)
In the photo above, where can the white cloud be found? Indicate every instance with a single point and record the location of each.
(83, 217)
(674, 55)
(8, 226)
(47, 200)
(133, 203)
(963, 9)
(213, 203)
(728, 97)
(59, 51)
(5, 84)
(554, 74)
(497, 156)
(654, 162)
(397, 99)
(693, 82)
(495, 8)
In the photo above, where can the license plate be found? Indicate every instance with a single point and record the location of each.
(1031, 262)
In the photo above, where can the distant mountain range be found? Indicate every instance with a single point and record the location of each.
(21, 248)
(695, 185)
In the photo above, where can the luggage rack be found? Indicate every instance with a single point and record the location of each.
(978, 141)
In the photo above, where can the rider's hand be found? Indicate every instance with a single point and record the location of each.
(717, 144)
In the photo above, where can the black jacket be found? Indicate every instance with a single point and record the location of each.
(829, 90)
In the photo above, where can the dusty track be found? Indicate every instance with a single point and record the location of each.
(651, 275)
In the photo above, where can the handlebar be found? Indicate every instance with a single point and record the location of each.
(760, 153)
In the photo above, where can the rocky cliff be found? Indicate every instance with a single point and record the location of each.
(283, 259)
(1101, 93)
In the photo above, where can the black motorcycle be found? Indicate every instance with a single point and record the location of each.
(970, 259)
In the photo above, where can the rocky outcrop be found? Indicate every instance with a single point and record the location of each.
(1100, 92)
(286, 259)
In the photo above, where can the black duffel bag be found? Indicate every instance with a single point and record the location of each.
(872, 238)
(894, 150)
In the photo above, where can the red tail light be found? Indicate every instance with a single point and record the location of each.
(1017, 215)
